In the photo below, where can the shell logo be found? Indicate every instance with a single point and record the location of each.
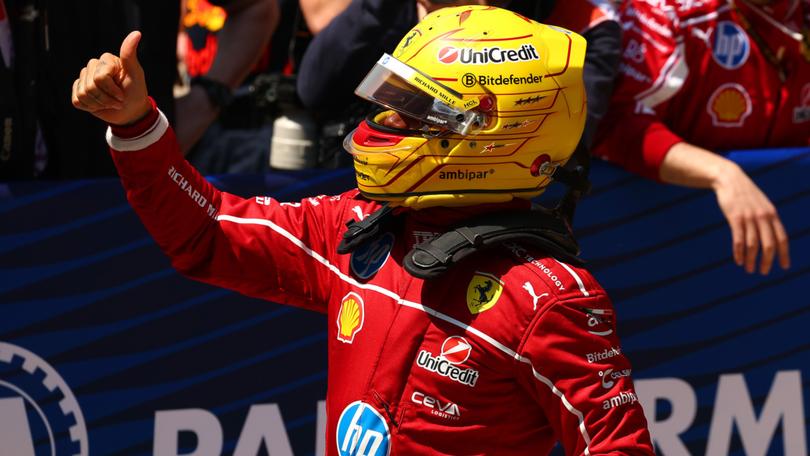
(350, 317)
(729, 105)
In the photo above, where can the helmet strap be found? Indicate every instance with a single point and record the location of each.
(575, 176)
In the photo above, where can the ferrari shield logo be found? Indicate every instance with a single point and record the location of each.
(483, 292)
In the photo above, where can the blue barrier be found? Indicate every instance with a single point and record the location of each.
(91, 310)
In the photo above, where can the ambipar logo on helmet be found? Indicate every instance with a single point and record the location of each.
(465, 174)
(38, 412)
(486, 56)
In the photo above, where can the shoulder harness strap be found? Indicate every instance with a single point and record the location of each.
(539, 227)
(362, 231)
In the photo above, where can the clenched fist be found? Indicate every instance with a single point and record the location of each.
(113, 88)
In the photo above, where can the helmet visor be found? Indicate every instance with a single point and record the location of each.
(400, 87)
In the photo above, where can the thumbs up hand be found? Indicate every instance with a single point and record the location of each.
(113, 88)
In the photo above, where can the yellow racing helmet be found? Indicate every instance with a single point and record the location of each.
(498, 103)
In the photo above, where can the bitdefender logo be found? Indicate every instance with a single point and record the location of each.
(470, 79)
(486, 56)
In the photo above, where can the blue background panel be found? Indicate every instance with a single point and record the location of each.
(83, 287)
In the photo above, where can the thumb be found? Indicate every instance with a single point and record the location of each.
(129, 53)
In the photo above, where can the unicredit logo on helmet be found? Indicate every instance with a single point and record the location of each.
(470, 56)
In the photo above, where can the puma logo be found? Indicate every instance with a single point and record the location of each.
(359, 213)
(528, 287)
(703, 35)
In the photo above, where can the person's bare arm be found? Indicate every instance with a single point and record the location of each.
(247, 30)
(752, 217)
(319, 13)
(246, 33)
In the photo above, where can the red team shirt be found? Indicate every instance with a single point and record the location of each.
(691, 72)
(504, 355)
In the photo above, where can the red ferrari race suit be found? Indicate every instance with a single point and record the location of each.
(504, 355)
(699, 72)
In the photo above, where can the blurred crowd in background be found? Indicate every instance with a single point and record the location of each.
(255, 85)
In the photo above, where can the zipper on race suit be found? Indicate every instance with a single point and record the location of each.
(382, 403)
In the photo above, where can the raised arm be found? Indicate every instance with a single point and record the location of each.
(256, 246)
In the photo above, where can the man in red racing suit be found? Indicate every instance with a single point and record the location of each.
(701, 77)
(505, 354)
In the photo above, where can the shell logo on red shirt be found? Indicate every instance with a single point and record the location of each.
(350, 317)
(729, 105)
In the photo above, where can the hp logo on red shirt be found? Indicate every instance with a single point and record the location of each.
(362, 431)
(730, 47)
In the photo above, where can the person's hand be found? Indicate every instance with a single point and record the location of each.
(753, 219)
(113, 88)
